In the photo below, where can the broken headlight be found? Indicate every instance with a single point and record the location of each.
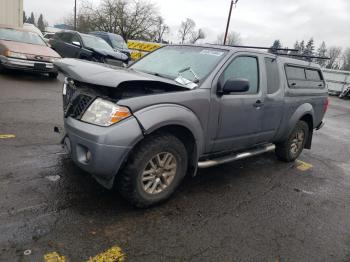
(105, 113)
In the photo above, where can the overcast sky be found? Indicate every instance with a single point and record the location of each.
(259, 22)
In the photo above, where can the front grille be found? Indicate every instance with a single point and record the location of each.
(74, 102)
(80, 104)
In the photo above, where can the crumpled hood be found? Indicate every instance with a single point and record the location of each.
(112, 54)
(105, 75)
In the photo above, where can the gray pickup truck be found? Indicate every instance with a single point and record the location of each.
(180, 108)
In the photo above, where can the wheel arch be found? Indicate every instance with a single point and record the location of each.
(304, 112)
(308, 119)
(178, 121)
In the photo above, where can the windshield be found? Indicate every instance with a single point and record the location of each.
(118, 42)
(21, 36)
(95, 42)
(171, 60)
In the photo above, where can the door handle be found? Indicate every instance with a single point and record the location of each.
(258, 104)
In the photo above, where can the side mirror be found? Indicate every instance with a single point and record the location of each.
(235, 85)
(76, 43)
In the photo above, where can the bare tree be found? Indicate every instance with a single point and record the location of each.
(346, 60)
(197, 35)
(161, 29)
(233, 38)
(186, 29)
(135, 19)
(334, 53)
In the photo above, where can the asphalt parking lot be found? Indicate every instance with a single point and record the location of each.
(258, 209)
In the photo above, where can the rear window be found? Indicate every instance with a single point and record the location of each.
(14, 35)
(295, 73)
(303, 77)
(313, 75)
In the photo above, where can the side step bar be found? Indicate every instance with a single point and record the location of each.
(222, 160)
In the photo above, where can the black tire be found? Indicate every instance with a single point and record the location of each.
(53, 75)
(286, 150)
(129, 182)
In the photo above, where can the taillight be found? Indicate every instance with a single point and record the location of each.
(326, 104)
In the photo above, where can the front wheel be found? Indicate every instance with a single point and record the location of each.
(153, 171)
(291, 149)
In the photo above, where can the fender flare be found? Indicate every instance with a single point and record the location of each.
(300, 112)
(157, 116)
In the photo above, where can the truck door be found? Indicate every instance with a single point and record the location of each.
(240, 113)
(60, 45)
(272, 111)
(73, 50)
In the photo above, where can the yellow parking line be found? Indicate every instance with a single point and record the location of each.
(54, 257)
(114, 254)
(303, 166)
(6, 136)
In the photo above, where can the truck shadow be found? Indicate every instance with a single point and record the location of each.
(78, 190)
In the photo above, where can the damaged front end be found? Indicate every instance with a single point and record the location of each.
(86, 81)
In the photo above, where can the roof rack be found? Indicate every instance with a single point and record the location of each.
(275, 51)
(266, 48)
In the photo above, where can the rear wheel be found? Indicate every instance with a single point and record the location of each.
(153, 171)
(291, 149)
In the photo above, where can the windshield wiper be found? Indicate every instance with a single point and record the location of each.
(155, 74)
(196, 78)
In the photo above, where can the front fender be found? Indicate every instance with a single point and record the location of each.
(158, 116)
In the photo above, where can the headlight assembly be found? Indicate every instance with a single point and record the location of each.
(105, 113)
(15, 55)
(53, 59)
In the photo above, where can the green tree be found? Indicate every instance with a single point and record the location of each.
(309, 48)
(24, 17)
(276, 45)
(322, 52)
(41, 23)
(31, 19)
(302, 47)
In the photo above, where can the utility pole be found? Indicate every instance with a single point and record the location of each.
(233, 2)
(75, 15)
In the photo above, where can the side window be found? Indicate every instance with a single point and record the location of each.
(75, 38)
(295, 73)
(66, 37)
(245, 67)
(272, 75)
(57, 36)
(313, 75)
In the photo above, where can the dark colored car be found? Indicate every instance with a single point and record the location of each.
(73, 44)
(115, 41)
(23, 50)
(180, 108)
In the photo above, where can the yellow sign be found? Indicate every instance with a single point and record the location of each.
(143, 46)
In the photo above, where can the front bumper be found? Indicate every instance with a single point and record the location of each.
(27, 65)
(108, 147)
